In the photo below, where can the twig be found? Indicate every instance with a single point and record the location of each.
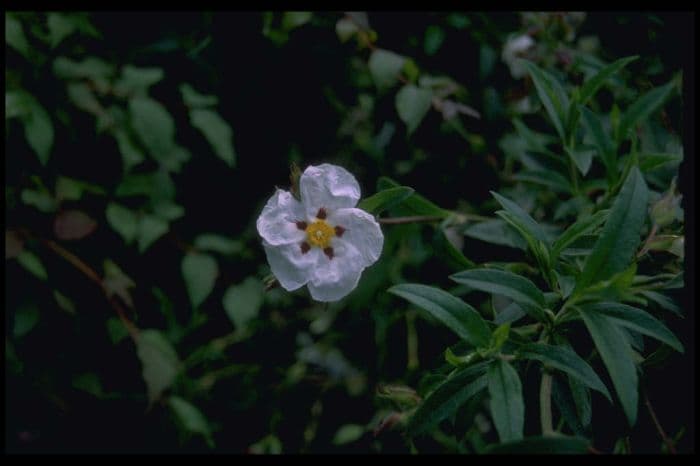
(662, 433)
(650, 238)
(546, 404)
(413, 219)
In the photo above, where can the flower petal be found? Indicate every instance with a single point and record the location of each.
(333, 279)
(289, 266)
(328, 186)
(277, 222)
(362, 231)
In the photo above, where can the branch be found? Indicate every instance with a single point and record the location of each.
(662, 433)
(413, 219)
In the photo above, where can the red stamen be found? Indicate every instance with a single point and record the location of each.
(301, 225)
(305, 247)
(328, 252)
(321, 213)
(339, 231)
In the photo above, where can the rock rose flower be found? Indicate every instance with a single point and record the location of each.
(323, 241)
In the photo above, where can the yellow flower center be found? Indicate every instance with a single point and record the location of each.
(319, 234)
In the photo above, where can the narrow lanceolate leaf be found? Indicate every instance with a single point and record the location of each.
(601, 139)
(385, 199)
(582, 227)
(457, 315)
(200, 272)
(591, 86)
(637, 320)
(549, 178)
(642, 108)
(507, 406)
(414, 204)
(447, 398)
(519, 289)
(541, 445)
(617, 357)
(617, 244)
(566, 360)
(524, 220)
(552, 96)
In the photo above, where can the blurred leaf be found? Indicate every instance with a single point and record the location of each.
(70, 189)
(412, 104)
(663, 301)
(116, 330)
(217, 132)
(549, 178)
(160, 362)
(500, 336)
(565, 359)
(64, 302)
(637, 320)
(14, 35)
(591, 86)
(123, 221)
(73, 224)
(13, 245)
(559, 445)
(60, 27)
(156, 128)
(200, 272)
(242, 302)
(194, 99)
(507, 406)
(17, 103)
(649, 162)
(511, 313)
(90, 68)
(191, 418)
(552, 96)
(582, 158)
(294, 19)
(618, 358)
(447, 398)
(39, 131)
(385, 199)
(218, 243)
(518, 288)
(150, 228)
(348, 433)
(620, 237)
(137, 80)
(523, 222)
(345, 29)
(32, 264)
(41, 199)
(487, 60)
(434, 37)
(642, 108)
(385, 67)
(415, 204)
(116, 282)
(452, 312)
(496, 231)
(131, 155)
(26, 318)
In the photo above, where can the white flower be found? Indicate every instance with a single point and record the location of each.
(513, 50)
(323, 241)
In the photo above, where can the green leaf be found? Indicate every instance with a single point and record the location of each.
(131, 155)
(649, 162)
(549, 178)
(642, 108)
(454, 313)
(32, 264)
(217, 132)
(14, 35)
(159, 360)
(522, 220)
(39, 131)
(137, 80)
(565, 359)
(496, 231)
(620, 237)
(500, 336)
(434, 37)
(191, 418)
(40, 199)
(154, 126)
(552, 96)
(582, 227)
(26, 317)
(559, 445)
(60, 26)
(294, 19)
(200, 272)
(415, 204)
(582, 159)
(218, 243)
(242, 302)
(194, 99)
(602, 141)
(348, 433)
(116, 330)
(385, 199)
(412, 104)
(618, 358)
(124, 221)
(518, 288)
(150, 228)
(92, 68)
(385, 66)
(447, 398)
(345, 29)
(637, 320)
(591, 86)
(507, 406)
(663, 301)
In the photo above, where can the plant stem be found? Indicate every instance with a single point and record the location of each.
(411, 341)
(412, 219)
(546, 404)
(662, 433)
